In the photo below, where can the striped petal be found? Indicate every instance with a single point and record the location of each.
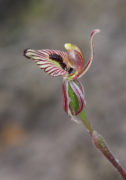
(73, 98)
(65, 96)
(87, 66)
(53, 62)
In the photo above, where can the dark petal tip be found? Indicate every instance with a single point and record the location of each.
(25, 51)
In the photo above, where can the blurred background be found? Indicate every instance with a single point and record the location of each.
(37, 139)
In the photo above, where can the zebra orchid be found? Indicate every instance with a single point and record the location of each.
(70, 65)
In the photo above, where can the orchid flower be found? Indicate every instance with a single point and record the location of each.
(70, 65)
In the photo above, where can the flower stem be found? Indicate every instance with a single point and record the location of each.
(100, 144)
(85, 121)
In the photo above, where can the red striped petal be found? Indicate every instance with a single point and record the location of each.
(87, 66)
(78, 90)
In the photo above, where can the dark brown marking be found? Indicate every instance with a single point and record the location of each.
(59, 59)
(70, 70)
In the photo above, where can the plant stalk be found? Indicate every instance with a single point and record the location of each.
(100, 144)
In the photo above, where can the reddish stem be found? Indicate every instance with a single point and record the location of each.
(101, 145)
